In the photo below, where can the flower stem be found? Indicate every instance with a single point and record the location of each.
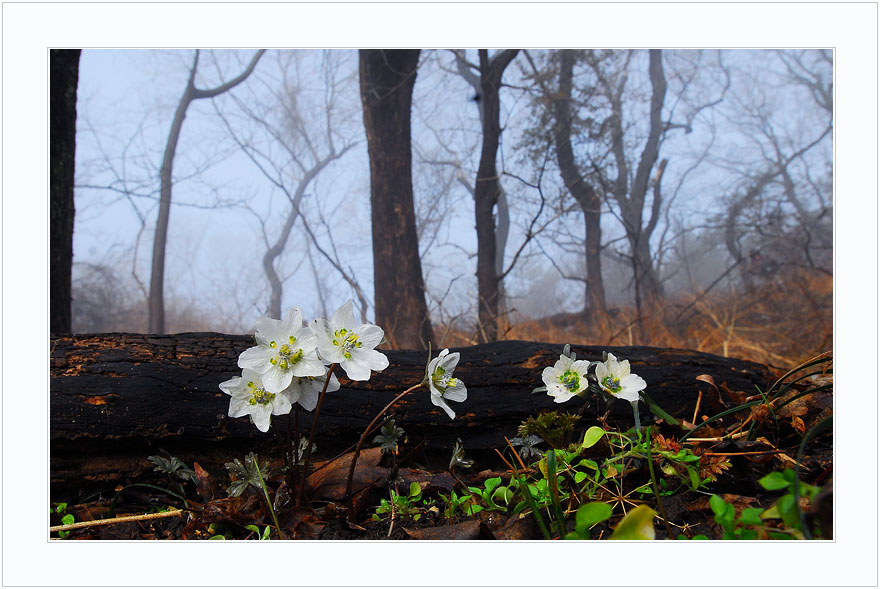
(308, 458)
(357, 450)
(635, 405)
(268, 501)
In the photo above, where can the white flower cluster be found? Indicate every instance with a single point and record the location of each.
(290, 363)
(569, 377)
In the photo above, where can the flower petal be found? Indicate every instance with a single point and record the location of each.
(375, 359)
(370, 335)
(256, 358)
(356, 368)
(276, 380)
(457, 393)
(343, 317)
(262, 417)
(438, 401)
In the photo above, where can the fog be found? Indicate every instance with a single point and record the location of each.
(738, 196)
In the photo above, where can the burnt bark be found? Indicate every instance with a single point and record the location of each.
(63, 78)
(387, 78)
(114, 396)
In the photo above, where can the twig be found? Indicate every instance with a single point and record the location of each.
(116, 520)
(357, 450)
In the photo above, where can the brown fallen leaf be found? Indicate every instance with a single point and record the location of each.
(517, 528)
(467, 530)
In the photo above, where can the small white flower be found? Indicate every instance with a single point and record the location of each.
(285, 349)
(250, 397)
(306, 389)
(441, 383)
(616, 379)
(341, 341)
(565, 379)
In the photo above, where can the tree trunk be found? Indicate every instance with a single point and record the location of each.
(486, 191)
(156, 302)
(387, 78)
(64, 78)
(117, 398)
(580, 189)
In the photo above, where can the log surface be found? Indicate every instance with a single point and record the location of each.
(109, 392)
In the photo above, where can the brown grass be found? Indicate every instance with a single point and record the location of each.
(783, 322)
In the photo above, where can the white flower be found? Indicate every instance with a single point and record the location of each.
(341, 341)
(566, 378)
(250, 397)
(284, 349)
(616, 380)
(441, 383)
(306, 389)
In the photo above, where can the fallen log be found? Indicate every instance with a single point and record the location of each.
(117, 396)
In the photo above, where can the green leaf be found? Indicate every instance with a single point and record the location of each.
(68, 519)
(774, 481)
(593, 435)
(61, 508)
(490, 484)
(414, 489)
(717, 505)
(694, 478)
(590, 514)
(579, 476)
(637, 525)
(217, 537)
(253, 528)
(751, 516)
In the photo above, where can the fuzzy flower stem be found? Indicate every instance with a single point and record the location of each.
(308, 457)
(357, 450)
(635, 405)
(268, 502)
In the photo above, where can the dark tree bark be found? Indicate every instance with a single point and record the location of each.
(487, 189)
(156, 302)
(114, 397)
(582, 191)
(63, 79)
(387, 78)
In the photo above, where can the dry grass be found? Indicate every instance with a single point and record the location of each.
(784, 321)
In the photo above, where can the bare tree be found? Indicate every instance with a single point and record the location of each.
(64, 76)
(292, 149)
(487, 189)
(191, 93)
(387, 78)
(583, 192)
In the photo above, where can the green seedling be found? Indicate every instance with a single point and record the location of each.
(256, 530)
(588, 516)
(402, 504)
(454, 501)
(488, 491)
(786, 508)
(66, 518)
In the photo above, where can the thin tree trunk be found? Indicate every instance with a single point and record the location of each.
(580, 189)
(64, 78)
(486, 191)
(156, 302)
(387, 78)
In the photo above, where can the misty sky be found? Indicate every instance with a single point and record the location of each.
(215, 247)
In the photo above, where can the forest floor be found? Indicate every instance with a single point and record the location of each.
(763, 470)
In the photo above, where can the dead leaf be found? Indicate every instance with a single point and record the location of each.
(467, 530)
(204, 483)
(329, 481)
